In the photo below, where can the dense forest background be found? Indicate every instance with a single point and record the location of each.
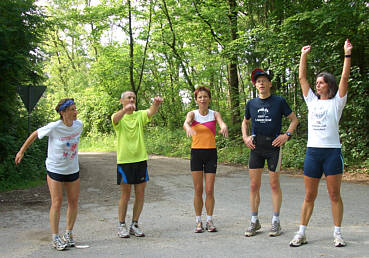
(92, 50)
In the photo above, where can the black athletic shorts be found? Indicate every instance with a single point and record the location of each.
(132, 173)
(204, 160)
(265, 151)
(63, 178)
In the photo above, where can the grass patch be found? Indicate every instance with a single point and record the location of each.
(174, 143)
(98, 143)
(20, 185)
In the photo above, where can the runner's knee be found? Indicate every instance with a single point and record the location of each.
(335, 196)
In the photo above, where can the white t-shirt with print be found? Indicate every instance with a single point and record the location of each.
(323, 119)
(62, 152)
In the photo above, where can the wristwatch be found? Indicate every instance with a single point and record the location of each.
(289, 135)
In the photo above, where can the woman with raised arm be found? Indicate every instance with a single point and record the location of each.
(323, 153)
(201, 125)
(62, 167)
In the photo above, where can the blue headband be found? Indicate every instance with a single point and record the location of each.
(66, 104)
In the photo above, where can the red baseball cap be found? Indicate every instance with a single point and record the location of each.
(258, 72)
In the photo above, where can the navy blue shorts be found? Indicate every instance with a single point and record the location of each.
(323, 160)
(132, 173)
(265, 151)
(63, 178)
(204, 160)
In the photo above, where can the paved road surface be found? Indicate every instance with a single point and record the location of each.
(168, 217)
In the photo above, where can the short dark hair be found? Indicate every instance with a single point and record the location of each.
(61, 102)
(332, 83)
(202, 88)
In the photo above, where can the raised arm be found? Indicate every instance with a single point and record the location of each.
(342, 88)
(302, 71)
(154, 107)
(223, 127)
(26, 144)
(119, 115)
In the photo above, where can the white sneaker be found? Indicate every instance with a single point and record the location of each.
(199, 228)
(251, 230)
(338, 240)
(210, 226)
(136, 231)
(123, 231)
(68, 239)
(59, 244)
(276, 229)
(298, 240)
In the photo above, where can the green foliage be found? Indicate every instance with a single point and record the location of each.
(294, 153)
(97, 143)
(21, 29)
(86, 55)
(163, 141)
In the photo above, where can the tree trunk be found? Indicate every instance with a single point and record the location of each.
(131, 79)
(232, 67)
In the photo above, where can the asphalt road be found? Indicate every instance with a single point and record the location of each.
(168, 217)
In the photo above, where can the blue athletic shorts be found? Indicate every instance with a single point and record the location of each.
(323, 160)
(132, 173)
(63, 178)
(204, 160)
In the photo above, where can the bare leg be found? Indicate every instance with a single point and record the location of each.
(56, 194)
(334, 190)
(311, 192)
(255, 182)
(72, 189)
(125, 194)
(139, 200)
(198, 203)
(209, 190)
(276, 191)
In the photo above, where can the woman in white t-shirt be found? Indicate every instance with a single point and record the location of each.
(62, 167)
(323, 153)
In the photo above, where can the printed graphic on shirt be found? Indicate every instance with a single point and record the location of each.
(266, 115)
(70, 145)
(263, 115)
(319, 118)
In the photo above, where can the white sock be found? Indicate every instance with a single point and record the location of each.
(54, 236)
(209, 218)
(337, 230)
(254, 219)
(198, 219)
(275, 218)
(302, 229)
(68, 231)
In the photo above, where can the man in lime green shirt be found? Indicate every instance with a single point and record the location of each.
(132, 158)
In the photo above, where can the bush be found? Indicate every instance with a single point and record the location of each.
(294, 153)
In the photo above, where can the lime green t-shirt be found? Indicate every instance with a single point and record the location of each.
(130, 137)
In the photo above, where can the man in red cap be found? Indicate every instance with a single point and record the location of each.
(265, 113)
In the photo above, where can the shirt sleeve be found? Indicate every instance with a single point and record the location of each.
(45, 130)
(310, 97)
(80, 126)
(341, 102)
(144, 117)
(247, 111)
(286, 110)
(115, 126)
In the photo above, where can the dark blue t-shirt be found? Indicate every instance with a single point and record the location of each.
(266, 115)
